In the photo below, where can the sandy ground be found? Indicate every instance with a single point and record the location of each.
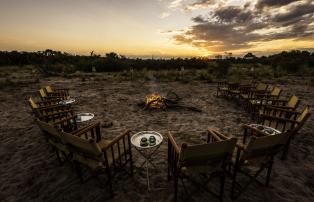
(29, 170)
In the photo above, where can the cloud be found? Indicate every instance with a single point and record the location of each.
(199, 4)
(175, 3)
(164, 15)
(273, 3)
(232, 28)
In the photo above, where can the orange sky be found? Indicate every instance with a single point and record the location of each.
(132, 28)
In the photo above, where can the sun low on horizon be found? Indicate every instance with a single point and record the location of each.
(161, 28)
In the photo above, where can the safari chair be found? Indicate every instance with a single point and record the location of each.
(99, 155)
(49, 110)
(207, 160)
(288, 121)
(48, 96)
(222, 88)
(258, 153)
(267, 105)
(63, 91)
(249, 93)
(243, 86)
(253, 104)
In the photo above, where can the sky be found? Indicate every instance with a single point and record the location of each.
(158, 28)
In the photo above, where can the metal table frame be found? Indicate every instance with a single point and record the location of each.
(147, 153)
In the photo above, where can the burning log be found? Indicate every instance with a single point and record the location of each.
(156, 101)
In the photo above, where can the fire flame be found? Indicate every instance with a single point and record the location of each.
(154, 100)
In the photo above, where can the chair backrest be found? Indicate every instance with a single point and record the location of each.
(48, 129)
(32, 103)
(42, 93)
(304, 114)
(276, 91)
(293, 102)
(49, 89)
(265, 146)
(301, 118)
(84, 147)
(206, 154)
(261, 87)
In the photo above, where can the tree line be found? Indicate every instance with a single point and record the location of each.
(50, 60)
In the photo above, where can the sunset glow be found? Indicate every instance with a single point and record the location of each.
(159, 28)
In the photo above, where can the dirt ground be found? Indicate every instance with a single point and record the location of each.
(30, 170)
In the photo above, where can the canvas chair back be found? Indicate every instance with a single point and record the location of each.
(264, 146)
(42, 93)
(48, 129)
(276, 91)
(32, 103)
(293, 102)
(304, 114)
(201, 157)
(261, 87)
(49, 89)
(82, 147)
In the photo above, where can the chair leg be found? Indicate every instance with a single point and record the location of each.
(268, 173)
(221, 194)
(233, 184)
(285, 150)
(109, 182)
(175, 187)
(58, 157)
(131, 163)
(78, 171)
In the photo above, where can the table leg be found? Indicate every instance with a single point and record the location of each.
(147, 176)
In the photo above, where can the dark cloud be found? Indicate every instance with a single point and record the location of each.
(232, 28)
(295, 13)
(200, 3)
(199, 19)
(273, 3)
(233, 14)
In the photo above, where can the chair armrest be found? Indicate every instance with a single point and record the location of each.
(60, 122)
(54, 114)
(215, 135)
(86, 129)
(253, 129)
(281, 109)
(55, 107)
(173, 143)
(267, 117)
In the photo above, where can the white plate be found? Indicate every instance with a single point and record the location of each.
(84, 117)
(136, 138)
(266, 129)
(66, 102)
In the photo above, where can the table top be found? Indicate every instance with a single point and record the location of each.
(67, 101)
(266, 129)
(136, 139)
(81, 117)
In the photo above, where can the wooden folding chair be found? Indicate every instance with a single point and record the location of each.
(205, 159)
(50, 110)
(260, 151)
(287, 121)
(99, 155)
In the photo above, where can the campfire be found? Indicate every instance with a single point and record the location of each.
(171, 100)
(155, 101)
